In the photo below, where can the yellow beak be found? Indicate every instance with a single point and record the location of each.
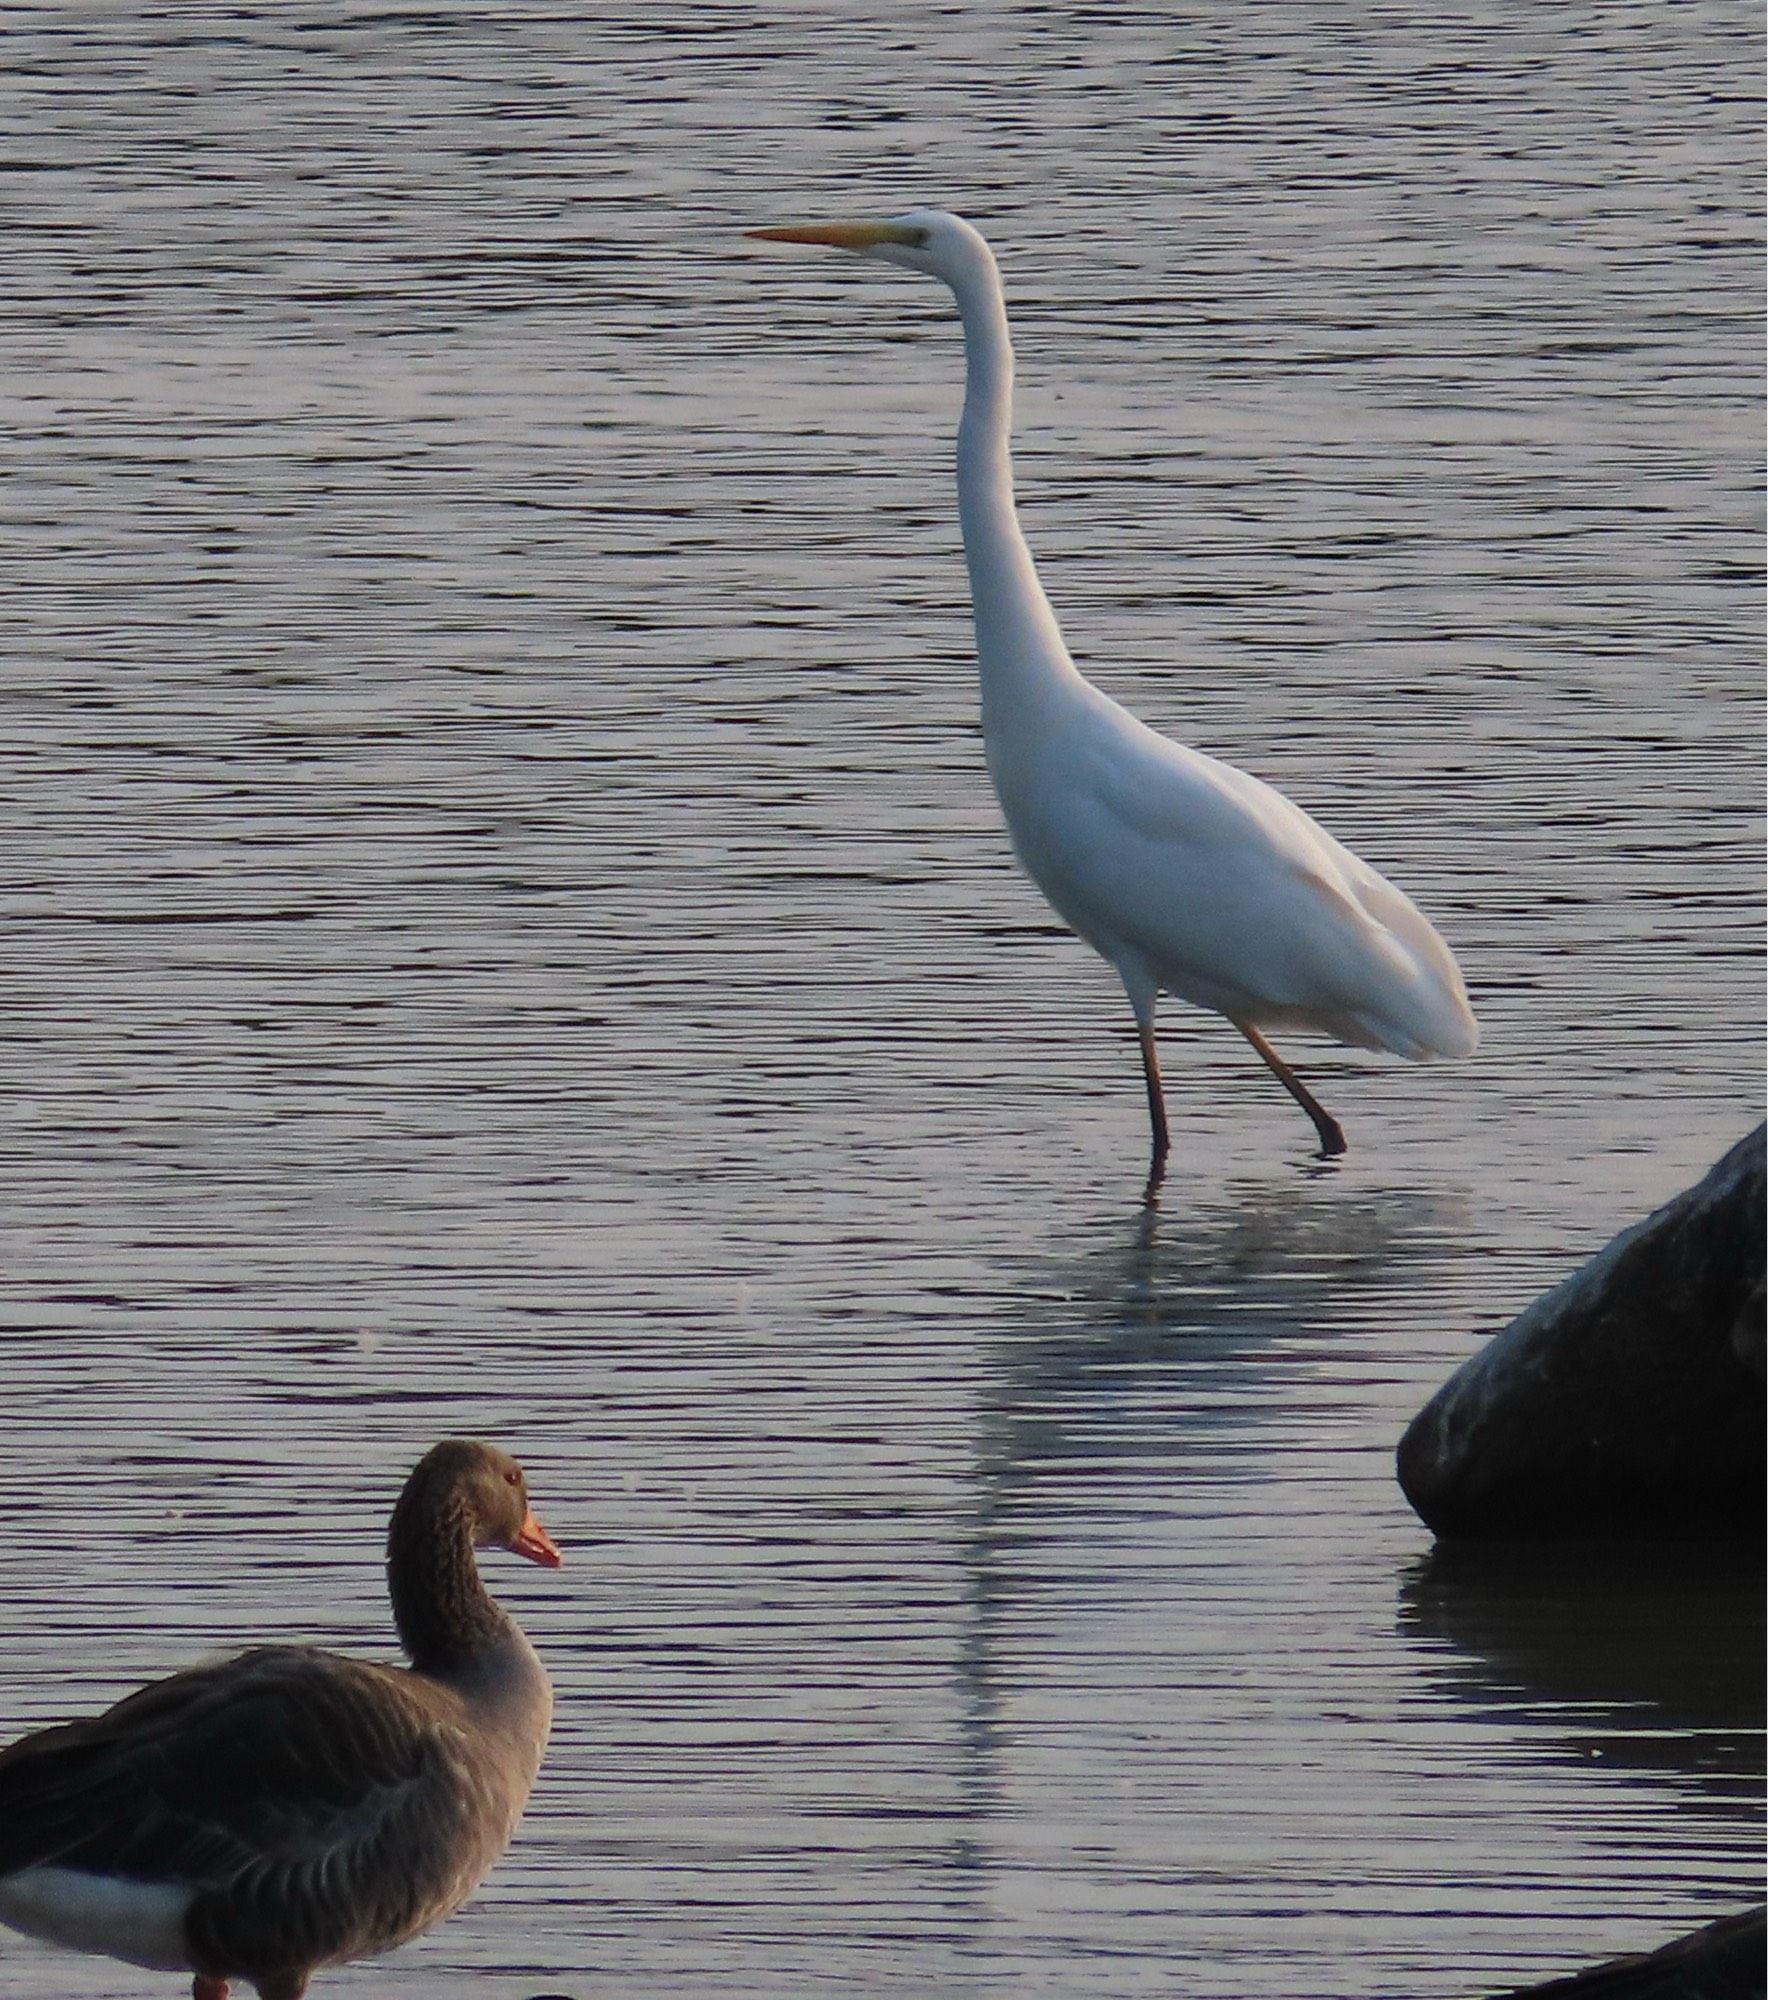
(838, 235)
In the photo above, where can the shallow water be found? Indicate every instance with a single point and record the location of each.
(508, 933)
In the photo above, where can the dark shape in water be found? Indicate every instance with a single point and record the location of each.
(1628, 1400)
(1720, 1961)
(1642, 1659)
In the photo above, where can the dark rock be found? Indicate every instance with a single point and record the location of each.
(1627, 1401)
(1721, 1961)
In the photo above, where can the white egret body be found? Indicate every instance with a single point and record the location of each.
(1191, 877)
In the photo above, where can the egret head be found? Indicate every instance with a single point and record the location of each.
(924, 239)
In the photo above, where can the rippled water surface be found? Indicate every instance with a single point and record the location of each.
(506, 931)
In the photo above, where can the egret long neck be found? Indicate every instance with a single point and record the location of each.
(1019, 645)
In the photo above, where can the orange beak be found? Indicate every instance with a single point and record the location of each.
(532, 1540)
(838, 235)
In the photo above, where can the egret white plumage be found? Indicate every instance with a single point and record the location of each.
(1190, 876)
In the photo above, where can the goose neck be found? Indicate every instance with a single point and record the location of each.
(444, 1614)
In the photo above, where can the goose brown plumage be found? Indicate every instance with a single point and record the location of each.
(290, 1808)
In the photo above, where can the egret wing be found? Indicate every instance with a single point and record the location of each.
(1232, 896)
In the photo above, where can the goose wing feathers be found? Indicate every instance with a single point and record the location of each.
(282, 1757)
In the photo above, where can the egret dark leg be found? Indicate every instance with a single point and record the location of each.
(1156, 1105)
(1330, 1131)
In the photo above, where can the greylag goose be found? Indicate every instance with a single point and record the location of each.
(289, 1808)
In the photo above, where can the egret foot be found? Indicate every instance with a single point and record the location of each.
(1332, 1141)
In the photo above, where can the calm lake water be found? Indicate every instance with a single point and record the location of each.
(506, 932)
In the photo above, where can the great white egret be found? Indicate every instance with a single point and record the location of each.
(1191, 877)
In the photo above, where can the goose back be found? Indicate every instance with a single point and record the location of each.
(315, 1808)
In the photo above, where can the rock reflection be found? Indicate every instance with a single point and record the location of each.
(1650, 1659)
